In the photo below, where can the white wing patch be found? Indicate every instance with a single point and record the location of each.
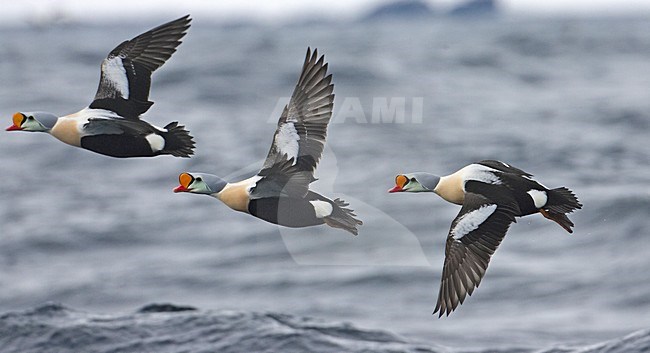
(251, 182)
(286, 141)
(322, 208)
(156, 142)
(539, 197)
(481, 174)
(470, 221)
(114, 72)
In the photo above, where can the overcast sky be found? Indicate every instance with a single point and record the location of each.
(16, 11)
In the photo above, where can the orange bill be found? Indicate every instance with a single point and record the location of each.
(400, 182)
(18, 119)
(185, 180)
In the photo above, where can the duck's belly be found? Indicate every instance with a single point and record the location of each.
(121, 146)
(285, 211)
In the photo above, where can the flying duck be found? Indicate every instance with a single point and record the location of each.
(279, 193)
(492, 194)
(111, 124)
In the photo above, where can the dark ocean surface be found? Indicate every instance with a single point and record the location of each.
(87, 240)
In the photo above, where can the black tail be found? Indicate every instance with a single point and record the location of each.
(560, 202)
(343, 217)
(178, 141)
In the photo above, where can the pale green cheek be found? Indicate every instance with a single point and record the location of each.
(414, 187)
(200, 187)
(33, 125)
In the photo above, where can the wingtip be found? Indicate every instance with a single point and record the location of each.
(187, 18)
(182, 23)
(439, 312)
(442, 312)
(312, 56)
(321, 62)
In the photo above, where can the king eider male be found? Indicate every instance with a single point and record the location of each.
(111, 124)
(280, 193)
(492, 194)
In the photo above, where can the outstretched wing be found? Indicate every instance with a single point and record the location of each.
(504, 167)
(126, 72)
(473, 237)
(302, 128)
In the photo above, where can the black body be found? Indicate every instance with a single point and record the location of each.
(120, 146)
(288, 211)
(518, 182)
(123, 138)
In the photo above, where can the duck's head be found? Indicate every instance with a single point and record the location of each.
(200, 183)
(415, 182)
(33, 121)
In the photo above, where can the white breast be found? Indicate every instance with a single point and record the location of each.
(237, 195)
(69, 128)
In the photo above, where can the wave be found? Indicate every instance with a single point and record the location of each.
(171, 328)
(175, 328)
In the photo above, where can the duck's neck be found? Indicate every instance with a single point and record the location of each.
(450, 188)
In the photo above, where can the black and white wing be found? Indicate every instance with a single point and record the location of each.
(126, 72)
(504, 167)
(302, 128)
(473, 237)
(282, 179)
(300, 136)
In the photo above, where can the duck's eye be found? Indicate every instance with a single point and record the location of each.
(30, 118)
(412, 180)
(198, 179)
